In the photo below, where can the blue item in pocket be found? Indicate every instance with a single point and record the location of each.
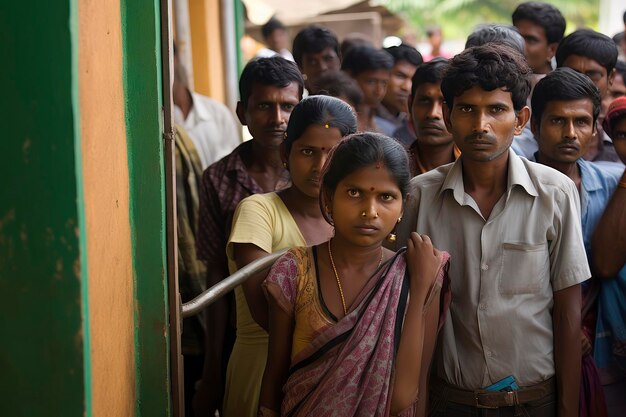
(505, 384)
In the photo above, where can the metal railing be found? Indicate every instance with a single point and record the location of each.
(208, 297)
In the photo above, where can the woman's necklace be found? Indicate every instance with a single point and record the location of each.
(332, 262)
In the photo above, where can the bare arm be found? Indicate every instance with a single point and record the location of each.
(609, 239)
(567, 349)
(244, 253)
(281, 327)
(430, 342)
(210, 394)
(423, 264)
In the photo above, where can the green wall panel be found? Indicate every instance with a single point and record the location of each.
(41, 284)
(142, 86)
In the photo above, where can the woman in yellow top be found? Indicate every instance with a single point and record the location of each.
(267, 223)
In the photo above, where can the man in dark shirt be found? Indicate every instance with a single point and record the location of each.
(433, 145)
(269, 89)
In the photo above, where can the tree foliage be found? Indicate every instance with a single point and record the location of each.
(459, 17)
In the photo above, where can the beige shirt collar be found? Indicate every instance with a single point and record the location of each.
(518, 175)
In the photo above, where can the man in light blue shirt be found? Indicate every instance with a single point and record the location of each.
(566, 105)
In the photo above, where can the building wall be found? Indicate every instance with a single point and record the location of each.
(207, 46)
(43, 354)
(83, 300)
(106, 199)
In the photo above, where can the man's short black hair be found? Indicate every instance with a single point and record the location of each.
(564, 84)
(544, 15)
(338, 84)
(429, 72)
(489, 67)
(313, 39)
(274, 71)
(406, 53)
(505, 34)
(590, 44)
(270, 26)
(363, 58)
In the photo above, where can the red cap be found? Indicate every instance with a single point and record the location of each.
(617, 110)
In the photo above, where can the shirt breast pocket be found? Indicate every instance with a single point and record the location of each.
(524, 268)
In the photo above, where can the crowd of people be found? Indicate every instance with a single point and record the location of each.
(455, 228)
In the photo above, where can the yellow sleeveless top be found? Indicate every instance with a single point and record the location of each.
(265, 221)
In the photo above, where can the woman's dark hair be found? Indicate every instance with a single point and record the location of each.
(338, 84)
(564, 84)
(363, 58)
(544, 15)
(274, 71)
(590, 44)
(322, 111)
(488, 66)
(361, 150)
(314, 39)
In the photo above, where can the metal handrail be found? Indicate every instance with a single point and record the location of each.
(208, 297)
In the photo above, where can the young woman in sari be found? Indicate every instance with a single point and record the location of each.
(266, 223)
(348, 319)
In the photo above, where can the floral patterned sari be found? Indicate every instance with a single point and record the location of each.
(347, 370)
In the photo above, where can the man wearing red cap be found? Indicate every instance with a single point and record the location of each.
(609, 246)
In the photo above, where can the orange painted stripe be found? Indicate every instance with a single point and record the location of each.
(106, 194)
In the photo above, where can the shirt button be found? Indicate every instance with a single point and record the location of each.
(482, 306)
(488, 353)
(484, 267)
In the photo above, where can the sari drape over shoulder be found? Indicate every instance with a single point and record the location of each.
(347, 370)
(610, 343)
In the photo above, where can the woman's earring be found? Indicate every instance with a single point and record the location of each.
(392, 236)
(285, 165)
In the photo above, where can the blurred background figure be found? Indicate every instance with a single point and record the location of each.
(435, 39)
(355, 39)
(595, 55)
(341, 85)
(370, 68)
(542, 26)
(209, 123)
(391, 114)
(505, 34)
(275, 37)
(618, 88)
(316, 50)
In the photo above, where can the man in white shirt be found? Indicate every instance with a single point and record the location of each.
(275, 36)
(511, 341)
(209, 123)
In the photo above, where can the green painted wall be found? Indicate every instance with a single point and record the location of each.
(144, 126)
(41, 270)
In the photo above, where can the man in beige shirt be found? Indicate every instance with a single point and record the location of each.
(513, 230)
